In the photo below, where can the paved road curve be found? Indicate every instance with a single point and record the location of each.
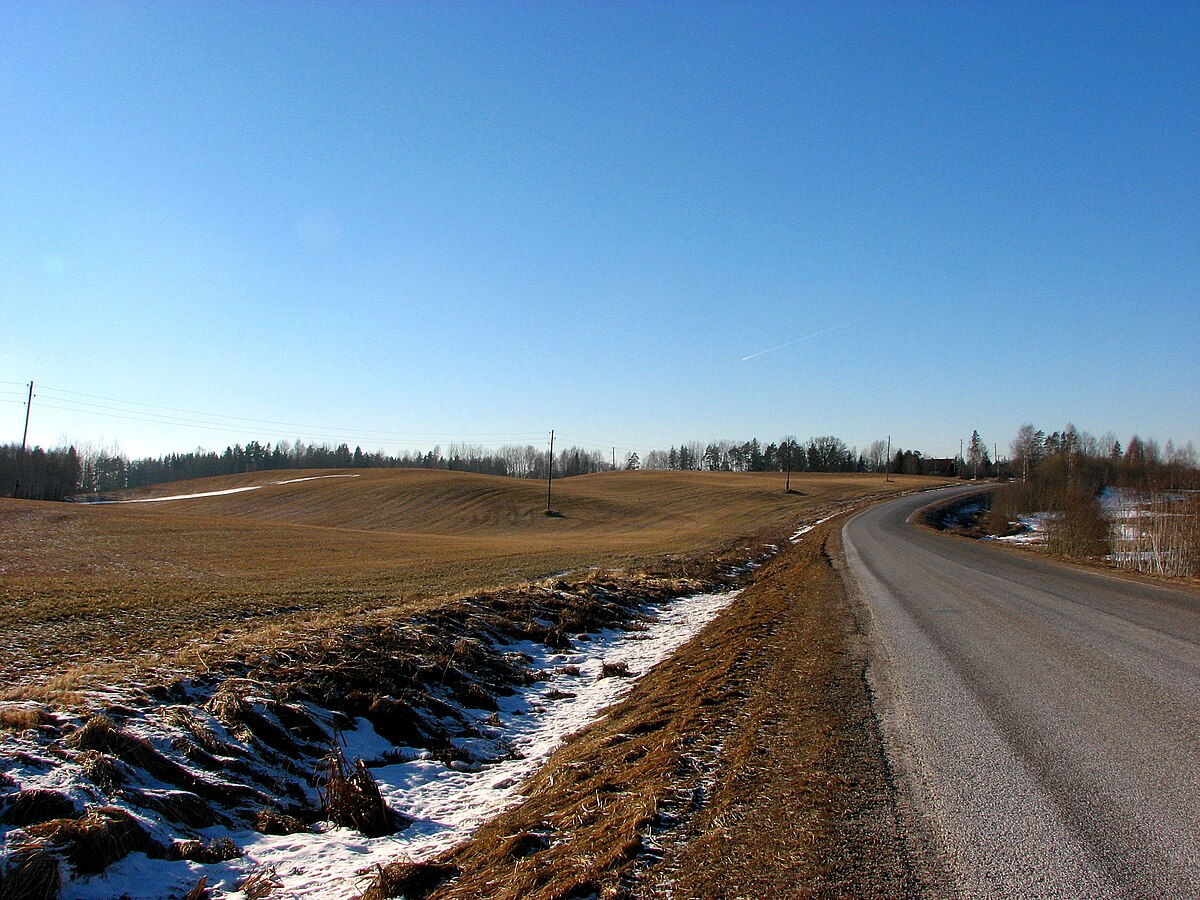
(1044, 722)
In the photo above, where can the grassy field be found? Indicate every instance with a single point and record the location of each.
(90, 589)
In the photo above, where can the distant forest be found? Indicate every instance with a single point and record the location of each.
(63, 472)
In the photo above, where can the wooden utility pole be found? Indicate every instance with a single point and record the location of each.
(550, 471)
(887, 462)
(788, 487)
(24, 437)
(614, 459)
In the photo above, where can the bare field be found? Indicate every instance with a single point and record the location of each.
(89, 589)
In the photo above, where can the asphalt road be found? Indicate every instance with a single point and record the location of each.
(1043, 722)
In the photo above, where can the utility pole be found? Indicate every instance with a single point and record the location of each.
(549, 471)
(961, 459)
(24, 436)
(887, 462)
(996, 458)
(788, 487)
(614, 459)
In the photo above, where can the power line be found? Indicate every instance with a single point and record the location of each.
(321, 428)
(343, 437)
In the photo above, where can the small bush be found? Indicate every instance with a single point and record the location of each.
(1080, 530)
(350, 798)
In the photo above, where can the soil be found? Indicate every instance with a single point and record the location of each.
(748, 765)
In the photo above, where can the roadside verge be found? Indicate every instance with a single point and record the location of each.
(748, 764)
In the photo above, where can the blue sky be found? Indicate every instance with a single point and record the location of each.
(406, 224)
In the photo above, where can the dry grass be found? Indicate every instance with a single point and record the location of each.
(22, 716)
(350, 798)
(744, 766)
(91, 591)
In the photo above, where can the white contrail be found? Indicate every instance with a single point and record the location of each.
(797, 340)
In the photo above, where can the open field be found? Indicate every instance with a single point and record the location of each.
(94, 590)
(215, 688)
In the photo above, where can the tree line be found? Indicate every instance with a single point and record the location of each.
(62, 472)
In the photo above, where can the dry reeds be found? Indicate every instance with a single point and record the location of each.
(261, 884)
(272, 821)
(33, 873)
(22, 717)
(411, 880)
(97, 840)
(615, 670)
(217, 850)
(350, 797)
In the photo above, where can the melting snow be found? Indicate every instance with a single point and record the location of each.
(236, 490)
(446, 804)
(1034, 529)
(805, 529)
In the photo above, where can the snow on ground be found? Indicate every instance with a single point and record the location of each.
(236, 490)
(805, 529)
(446, 803)
(1033, 530)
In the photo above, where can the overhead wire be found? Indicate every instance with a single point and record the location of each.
(66, 400)
(322, 428)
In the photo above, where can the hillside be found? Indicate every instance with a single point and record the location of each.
(107, 585)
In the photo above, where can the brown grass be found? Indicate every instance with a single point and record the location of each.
(22, 717)
(32, 873)
(90, 592)
(743, 766)
(98, 839)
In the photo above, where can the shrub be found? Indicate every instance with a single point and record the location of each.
(1080, 530)
(350, 798)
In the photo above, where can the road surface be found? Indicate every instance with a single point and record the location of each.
(1043, 722)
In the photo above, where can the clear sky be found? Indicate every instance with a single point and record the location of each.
(406, 224)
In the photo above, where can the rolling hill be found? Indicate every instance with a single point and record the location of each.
(87, 588)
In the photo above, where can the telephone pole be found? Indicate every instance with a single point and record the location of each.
(550, 471)
(24, 436)
(788, 487)
(887, 462)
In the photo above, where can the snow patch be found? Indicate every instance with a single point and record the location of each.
(236, 490)
(446, 802)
